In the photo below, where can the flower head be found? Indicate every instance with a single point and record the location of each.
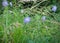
(54, 8)
(10, 4)
(43, 18)
(27, 19)
(4, 3)
(22, 10)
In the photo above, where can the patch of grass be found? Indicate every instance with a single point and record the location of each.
(14, 30)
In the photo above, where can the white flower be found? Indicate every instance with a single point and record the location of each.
(10, 4)
(43, 18)
(54, 8)
(22, 11)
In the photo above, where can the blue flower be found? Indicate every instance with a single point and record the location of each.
(27, 19)
(54, 8)
(4, 3)
(43, 18)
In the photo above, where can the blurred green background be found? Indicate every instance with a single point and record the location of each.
(14, 30)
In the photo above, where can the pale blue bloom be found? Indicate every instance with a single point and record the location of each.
(43, 18)
(10, 4)
(54, 8)
(27, 19)
(4, 3)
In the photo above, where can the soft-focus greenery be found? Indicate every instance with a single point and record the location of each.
(14, 30)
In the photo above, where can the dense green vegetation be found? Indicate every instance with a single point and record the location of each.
(43, 27)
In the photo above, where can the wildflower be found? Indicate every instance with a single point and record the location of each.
(43, 18)
(54, 8)
(22, 11)
(27, 19)
(4, 3)
(10, 4)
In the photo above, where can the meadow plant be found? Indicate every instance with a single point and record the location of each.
(27, 19)
(5, 3)
(54, 8)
